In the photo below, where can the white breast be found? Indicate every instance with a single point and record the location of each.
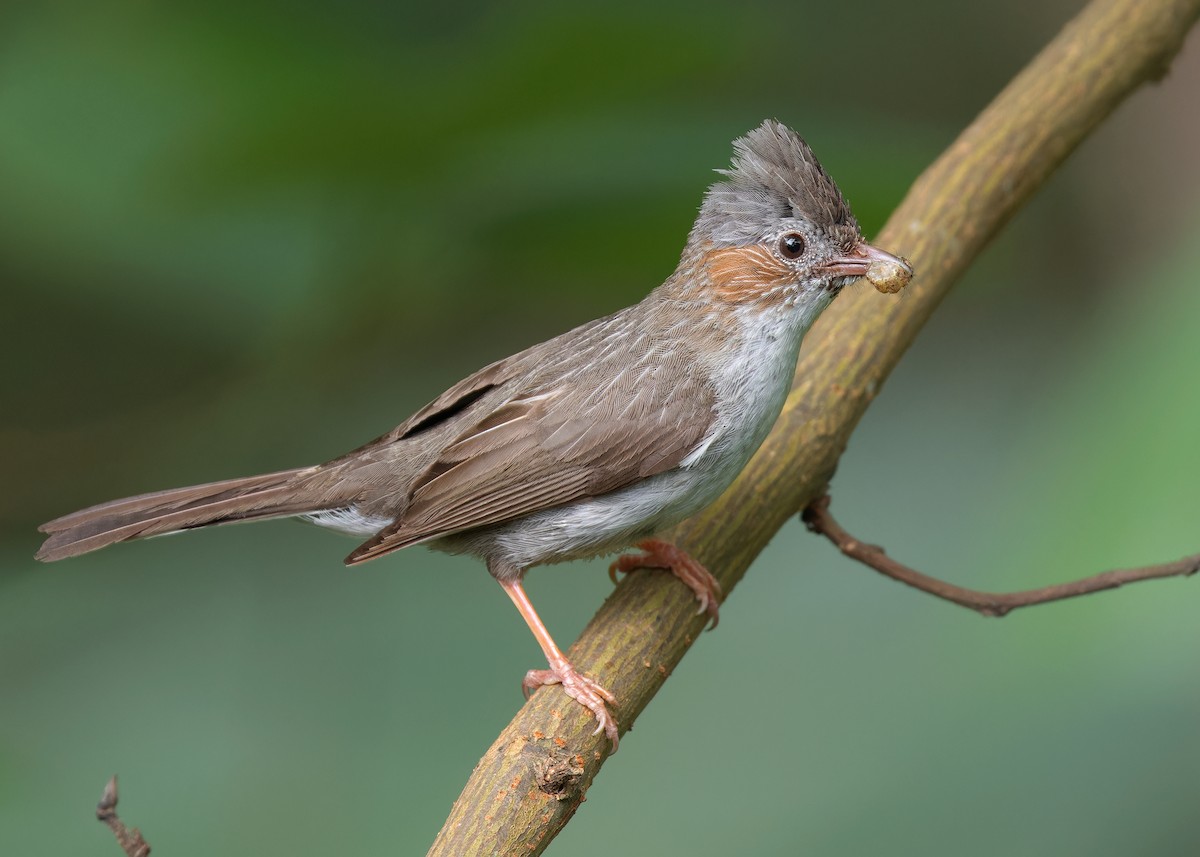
(752, 379)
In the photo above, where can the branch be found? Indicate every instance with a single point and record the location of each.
(819, 520)
(131, 841)
(512, 804)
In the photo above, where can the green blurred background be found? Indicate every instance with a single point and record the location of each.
(252, 235)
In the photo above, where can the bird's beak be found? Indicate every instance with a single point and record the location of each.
(862, 258)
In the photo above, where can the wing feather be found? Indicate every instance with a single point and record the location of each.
(553, 444)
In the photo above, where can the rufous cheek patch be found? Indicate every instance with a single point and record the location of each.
(747, 275)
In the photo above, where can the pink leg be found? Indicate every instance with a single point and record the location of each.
(580, 688)
(660, 554)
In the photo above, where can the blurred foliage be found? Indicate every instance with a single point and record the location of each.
(251, 235)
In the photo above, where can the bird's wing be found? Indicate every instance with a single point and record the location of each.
(608, 424)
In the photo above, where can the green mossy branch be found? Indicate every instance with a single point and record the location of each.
(533, 778)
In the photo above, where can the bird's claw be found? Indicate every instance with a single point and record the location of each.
(660, 554)
(587, 692)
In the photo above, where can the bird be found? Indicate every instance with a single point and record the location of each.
(592, 441)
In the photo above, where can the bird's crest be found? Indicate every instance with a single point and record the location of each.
(774, 175)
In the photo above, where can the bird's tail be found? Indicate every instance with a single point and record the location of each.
(271, 495)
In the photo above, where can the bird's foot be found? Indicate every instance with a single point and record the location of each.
(588, 693)
(660, 554)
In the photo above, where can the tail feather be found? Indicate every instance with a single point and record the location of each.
(251, 498)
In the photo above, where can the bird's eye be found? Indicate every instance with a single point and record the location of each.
(791, 246)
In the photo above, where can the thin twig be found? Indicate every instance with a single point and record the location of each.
(131, 841)
(819, 520)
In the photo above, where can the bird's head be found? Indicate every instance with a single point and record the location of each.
(776, 229)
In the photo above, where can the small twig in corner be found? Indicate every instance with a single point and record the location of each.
(818, 520)
(131, 841)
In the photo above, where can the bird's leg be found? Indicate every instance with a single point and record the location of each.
(580, 688)
(660, 554)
